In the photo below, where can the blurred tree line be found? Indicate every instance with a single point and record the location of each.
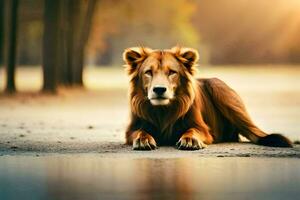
(62, 35)
(66, 27)
(226, 32)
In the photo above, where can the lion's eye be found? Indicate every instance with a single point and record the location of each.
(148, 72)
(172, 72)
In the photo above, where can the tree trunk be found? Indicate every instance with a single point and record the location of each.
(11, 35)
(80, 28)
(1, 31)
(51, 45)
(84, 34)
(65, 38)
(72, 40)
(64, 58)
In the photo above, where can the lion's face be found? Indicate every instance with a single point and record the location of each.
(160, 77)
(160, 72)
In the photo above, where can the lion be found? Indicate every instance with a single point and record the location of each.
(169, 106)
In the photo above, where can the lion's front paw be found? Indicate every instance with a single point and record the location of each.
(187, 142)
(144, 141)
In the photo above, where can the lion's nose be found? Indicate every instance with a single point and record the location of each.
(159, 90)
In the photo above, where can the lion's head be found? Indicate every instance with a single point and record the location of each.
(161, 78)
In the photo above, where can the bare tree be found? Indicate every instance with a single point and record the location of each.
(83, 37)
(80, 23)
(65, 76)
(65, 38)
(1, 30)
(11, 35)
(51, 45)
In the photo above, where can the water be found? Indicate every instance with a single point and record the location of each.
(90, 176)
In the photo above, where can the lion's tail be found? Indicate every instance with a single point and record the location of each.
(232, 108)
(275, 140)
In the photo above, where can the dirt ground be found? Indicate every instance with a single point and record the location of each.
(93, 120)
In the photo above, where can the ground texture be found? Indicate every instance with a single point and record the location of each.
(93, 120)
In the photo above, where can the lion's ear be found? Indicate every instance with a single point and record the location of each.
(133, 56)
(187, 56)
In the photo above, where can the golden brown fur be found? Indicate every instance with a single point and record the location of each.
(193, 113)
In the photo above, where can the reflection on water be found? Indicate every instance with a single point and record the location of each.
(92, 177)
